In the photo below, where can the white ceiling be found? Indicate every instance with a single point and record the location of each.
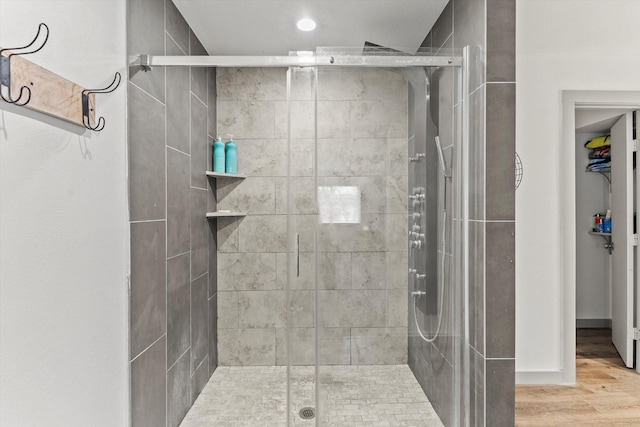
(268, 27)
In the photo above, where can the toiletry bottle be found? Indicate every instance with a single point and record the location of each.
(607, 222)
(231, 157)
(218, 156)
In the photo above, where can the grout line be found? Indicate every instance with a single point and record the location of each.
(200, 277)
(175, 149)
(147, 220)
(153, 97)
(203, 103)
(178, 359)
(166, 223)
(175, 41)
(176, 256)
(151, 345)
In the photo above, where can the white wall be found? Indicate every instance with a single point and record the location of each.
(568, 44)
(63, 230)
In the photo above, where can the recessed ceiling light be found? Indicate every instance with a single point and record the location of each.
(306, 24)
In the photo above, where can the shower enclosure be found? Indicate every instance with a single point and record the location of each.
(346, 279)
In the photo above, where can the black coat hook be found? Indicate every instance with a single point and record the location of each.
(86, 108)
(5, 67)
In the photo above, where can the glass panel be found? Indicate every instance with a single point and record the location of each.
(378, 314)
(385, 355)
(300, 191)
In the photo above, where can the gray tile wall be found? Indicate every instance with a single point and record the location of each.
(173, 296)
(488, 27)
(362, 129)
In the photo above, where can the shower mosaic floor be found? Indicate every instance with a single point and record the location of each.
(255, 396)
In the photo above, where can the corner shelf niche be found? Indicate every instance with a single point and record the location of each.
(223, 214)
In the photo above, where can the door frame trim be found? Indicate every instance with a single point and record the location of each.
(570, 100)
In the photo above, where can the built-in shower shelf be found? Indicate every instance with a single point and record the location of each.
(225, 175)
(225, 214)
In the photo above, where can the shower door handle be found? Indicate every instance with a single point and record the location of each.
(297, 254)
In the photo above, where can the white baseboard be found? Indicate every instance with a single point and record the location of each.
(593, 323)
(540, 377)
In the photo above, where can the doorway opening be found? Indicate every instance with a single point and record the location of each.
(599, 257)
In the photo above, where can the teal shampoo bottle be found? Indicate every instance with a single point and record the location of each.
(218, 156)
(232, 157)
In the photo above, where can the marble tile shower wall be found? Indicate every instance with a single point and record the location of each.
(173, 296)
(362, 131)
(488, 27)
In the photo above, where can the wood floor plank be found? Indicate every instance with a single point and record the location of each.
(606, 394)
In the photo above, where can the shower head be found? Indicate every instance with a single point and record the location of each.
(445, 172)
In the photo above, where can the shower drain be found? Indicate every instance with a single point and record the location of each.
(307, 413)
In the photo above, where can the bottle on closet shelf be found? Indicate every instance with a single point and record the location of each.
(607, 222)
(218, 156)
(231, 159)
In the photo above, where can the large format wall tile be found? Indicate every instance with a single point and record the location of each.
(368, 270)
(178, 103)
(302, 193)
(228, 234)
(199, 230)
(145, 35)
(307, 272)
(369, 235)
(334, 346)
(263, 233)
(178, 206)
(347, 157)
(212, 357)
(177, 28)
(378, 346)
(253, 195)
(148, 284)
(198, 74)
(178, 391)
(199, 143)
(266, 309)
(352, 308)
(377, 119)
(262, 157)
(178, 307)
(246, 347)
(148, 387)
(199, 321)
(246, 119)
(397, 156)
(500, 392)
(199, 378)
(500, 149)
(501, 50)
(228, 310)
(246, 271)
(500, 290)
(397, 308)
(146, 156)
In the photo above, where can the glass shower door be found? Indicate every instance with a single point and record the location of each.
(373, 215)
(300, 191)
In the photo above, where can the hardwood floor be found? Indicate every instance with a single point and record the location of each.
(607, 393)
